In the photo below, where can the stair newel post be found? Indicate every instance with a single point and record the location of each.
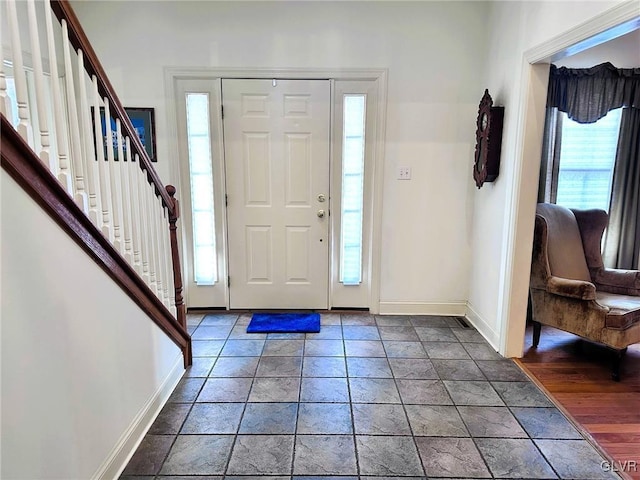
(24, 122)
(41, 99)
(174, 214)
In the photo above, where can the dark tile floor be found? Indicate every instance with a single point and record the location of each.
(368, 396)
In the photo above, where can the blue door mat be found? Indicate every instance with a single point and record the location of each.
(284, 323)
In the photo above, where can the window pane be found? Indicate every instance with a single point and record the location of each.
(201, 177)
(587, 158)
(353, 144)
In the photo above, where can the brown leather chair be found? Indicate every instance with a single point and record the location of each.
(570, 288)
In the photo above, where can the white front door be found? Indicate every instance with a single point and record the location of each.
(276, 138)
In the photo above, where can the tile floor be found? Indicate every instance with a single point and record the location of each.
(368, 396)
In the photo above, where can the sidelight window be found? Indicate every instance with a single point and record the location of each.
(201, 178)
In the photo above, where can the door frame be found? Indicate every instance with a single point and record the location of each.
(173, 75)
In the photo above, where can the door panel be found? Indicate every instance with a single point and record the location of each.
(276, 137)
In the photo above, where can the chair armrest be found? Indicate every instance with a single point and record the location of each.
(571, 288)
(626, 282)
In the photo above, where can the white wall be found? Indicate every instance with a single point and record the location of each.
(497, 301)
(81, 363)
(434, 53)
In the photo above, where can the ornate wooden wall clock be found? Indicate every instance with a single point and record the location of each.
(488, 141)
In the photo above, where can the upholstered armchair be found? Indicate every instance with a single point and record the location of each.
(572, 290)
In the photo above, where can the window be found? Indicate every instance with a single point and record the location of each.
(201, 177)
(353, 146)
(587, 159)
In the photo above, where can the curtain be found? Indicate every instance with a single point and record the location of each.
(550, 165)
(622, 239)
(587, 94)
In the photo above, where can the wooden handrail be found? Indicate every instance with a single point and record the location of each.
(63, 11)
(24, 166)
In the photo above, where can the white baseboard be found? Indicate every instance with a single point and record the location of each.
(131, 438)
(483, 327)
(423, 308)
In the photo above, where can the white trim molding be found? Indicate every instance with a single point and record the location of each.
(482, 326)
(619, 20)
(457, 308)
(126, 446)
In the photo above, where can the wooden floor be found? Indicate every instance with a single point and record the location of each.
(578, 375)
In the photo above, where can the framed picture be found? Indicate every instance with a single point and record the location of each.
(143, 120)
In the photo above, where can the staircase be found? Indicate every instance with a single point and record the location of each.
(69, 145)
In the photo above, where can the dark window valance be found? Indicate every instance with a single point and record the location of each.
(587, 94)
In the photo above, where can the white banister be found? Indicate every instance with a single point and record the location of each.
(19, 74)
(166, 256)
(64, 172)
(41, 98)
(113, 176)
(89, 150)
(135, 210)
(118, 199)
(163, 257)
(156, 247)
(126, 199)
(103, 171)
(64, 113)
(151, 233)
(144, 223)
(5, 101)
(80, 194)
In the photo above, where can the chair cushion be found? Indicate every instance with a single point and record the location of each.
(565, 251)
(624, 309)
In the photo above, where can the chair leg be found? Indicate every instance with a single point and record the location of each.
(537, 327)
(617, 360)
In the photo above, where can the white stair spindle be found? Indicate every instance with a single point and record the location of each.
(166, 257)
(116, 190)
(24, 123)
(135, 211)
(144, 223)
(89, 152)
(64, 174)
(80, 195)
(5, 101)
(127, 204)
(103, 171)
(113, 176)
(41, 98)
(156, 248)
(162, 233)
(153, 251)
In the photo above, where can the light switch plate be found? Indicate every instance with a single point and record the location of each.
(404, 173)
